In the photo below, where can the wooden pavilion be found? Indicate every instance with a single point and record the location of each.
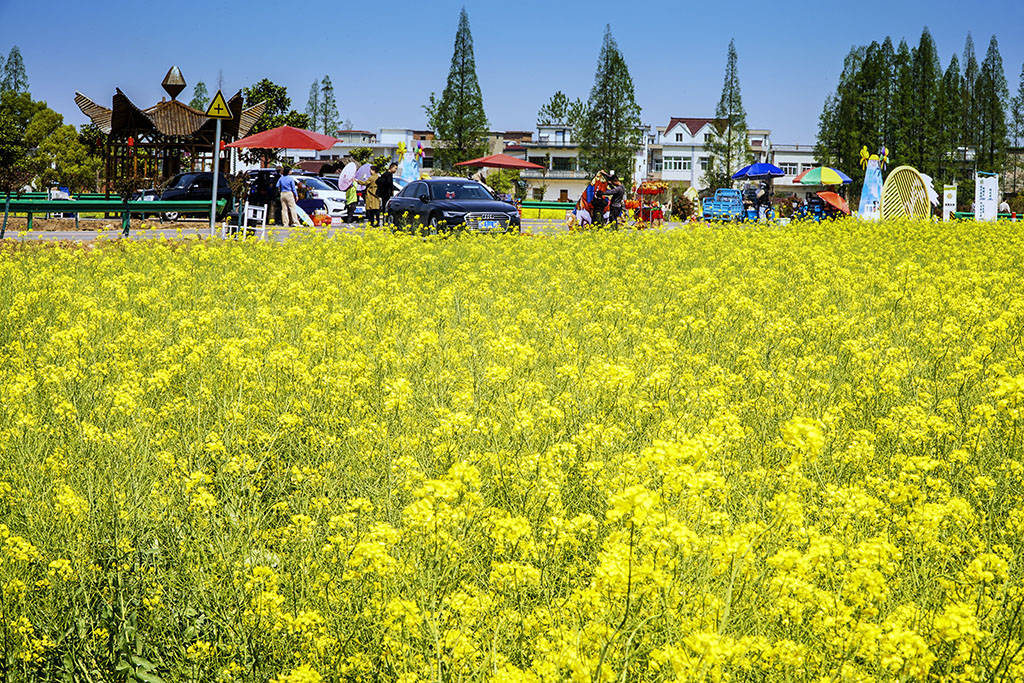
(164, 139)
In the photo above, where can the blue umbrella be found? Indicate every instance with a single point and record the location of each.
(759, 170)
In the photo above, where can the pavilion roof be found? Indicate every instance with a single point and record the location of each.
(169, 117)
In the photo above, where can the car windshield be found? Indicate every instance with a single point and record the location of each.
(181, 180)
(457, 190)
(316, 183)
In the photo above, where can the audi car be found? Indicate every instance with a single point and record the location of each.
(437, 204)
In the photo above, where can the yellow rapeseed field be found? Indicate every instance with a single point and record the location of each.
(723, 454)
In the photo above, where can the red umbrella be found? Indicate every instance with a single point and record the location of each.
(500, 161)
(286, 137)
(836, 201)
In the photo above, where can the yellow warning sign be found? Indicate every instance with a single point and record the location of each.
(218, 108)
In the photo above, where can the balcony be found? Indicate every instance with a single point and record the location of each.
(554, 175)
(544, 142)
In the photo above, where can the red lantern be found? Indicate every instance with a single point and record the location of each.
(223, 146)
(131, 142)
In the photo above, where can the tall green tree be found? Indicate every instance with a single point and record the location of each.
(1017, 133)
(729, 147)
(278, 112)
(200, 96)
(609, 130)
(457, 118)
(925, 74)
(902, 145)
(14, 77)
(560, 109)
(314, 111)
(555, 110)
(14, 170)
(328, 107)
(845, 123)
(991, 96)
(886, 89)
(969, 127)
(949, 107)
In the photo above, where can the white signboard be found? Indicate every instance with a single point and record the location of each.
(986, 197)
(948, 202)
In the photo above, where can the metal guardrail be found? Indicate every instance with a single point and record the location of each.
(115, 206)
(548, 205)
(968, 215)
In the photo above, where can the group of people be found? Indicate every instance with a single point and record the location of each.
(602, 202)
(378, 188)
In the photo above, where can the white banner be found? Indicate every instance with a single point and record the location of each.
(986, 197)
(948, 202)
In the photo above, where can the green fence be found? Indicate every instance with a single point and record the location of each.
(30, 207)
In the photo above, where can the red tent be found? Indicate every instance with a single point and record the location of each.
(500, 161)
(286, 137)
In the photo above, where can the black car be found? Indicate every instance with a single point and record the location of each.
(195, 186)
(445, 203)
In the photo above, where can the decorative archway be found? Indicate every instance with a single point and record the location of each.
(905, 195)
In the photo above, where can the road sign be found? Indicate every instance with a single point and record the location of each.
(948, 202)
(986, 196)
(218, 108)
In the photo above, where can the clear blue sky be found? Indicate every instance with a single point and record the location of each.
(386, 57)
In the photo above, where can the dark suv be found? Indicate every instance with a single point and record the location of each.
(445, 203)
(195, 186)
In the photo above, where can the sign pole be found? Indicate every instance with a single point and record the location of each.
(216, 177)
(218, 110)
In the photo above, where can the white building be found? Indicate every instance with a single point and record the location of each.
(562, 179)
(793, 159)
(680, 153)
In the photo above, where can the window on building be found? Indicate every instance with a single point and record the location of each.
(428, 162)
(538, 193)
(704, 163)
(679, 137)
(808, 167)
(677, 164)
(707, 137)
(563, 164)
(789, 168)
(541, 161)
(563, 195)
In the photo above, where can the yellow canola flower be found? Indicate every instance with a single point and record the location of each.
(711, 453)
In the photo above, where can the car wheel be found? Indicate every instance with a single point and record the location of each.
(435, 225)
(170, 216)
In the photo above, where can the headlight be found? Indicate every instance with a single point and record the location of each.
(452, 214)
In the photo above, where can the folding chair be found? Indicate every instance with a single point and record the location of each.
(254, 212)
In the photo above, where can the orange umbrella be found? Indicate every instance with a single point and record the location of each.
(836, 201)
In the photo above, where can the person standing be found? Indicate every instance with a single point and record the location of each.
(616, 198)
(1004, 206)
(351, 199)
(371, 198)
(286, 186)
(386, 189)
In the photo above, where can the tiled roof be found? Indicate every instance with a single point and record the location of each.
(169, 117)
(692, 124)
